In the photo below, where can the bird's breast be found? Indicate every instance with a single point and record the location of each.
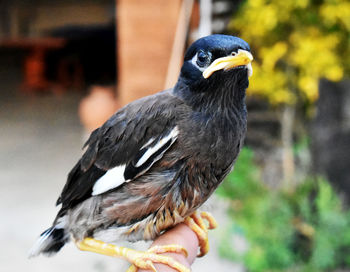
(212, 146)
(214, 140)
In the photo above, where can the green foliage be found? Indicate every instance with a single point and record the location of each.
(246, 173)
(304, 230)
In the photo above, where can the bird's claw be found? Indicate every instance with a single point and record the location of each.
(210, 219)
(146, 259)
(168, 248)
(196, 223)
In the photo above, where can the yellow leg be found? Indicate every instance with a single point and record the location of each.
(139, 259)
(196, 223)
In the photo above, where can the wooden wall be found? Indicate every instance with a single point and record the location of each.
(146, 30)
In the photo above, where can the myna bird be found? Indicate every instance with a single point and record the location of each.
(158, 159)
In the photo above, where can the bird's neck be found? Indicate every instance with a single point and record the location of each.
(217, 100)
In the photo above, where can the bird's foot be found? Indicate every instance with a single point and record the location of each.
(139, 259)
(196, 223)
(164, 249)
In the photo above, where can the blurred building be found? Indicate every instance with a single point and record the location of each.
(65, 44)
(73, 44)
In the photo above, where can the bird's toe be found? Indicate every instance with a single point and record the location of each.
(146, 260)
(198, 226)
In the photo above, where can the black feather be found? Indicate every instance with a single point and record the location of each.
(58, 241)
(50, 241)
(79, 186)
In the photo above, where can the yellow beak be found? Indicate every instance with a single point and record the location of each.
(242, 57)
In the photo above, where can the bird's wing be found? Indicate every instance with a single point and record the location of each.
(124, 148)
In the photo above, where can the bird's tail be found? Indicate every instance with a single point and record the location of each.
(50, 241)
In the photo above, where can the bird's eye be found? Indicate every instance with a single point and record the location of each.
(203, 58)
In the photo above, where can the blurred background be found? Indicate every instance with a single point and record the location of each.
(66, 66)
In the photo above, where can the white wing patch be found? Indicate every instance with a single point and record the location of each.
(115, 176)
(172, 135)
(112, 179)
(148, 143)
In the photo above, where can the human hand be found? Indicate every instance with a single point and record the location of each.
(180, 235)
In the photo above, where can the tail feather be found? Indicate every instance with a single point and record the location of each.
(50, 241)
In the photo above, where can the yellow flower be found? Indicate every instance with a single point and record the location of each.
(309, 86)
(295, 43)
(334, 73)
(272, 54)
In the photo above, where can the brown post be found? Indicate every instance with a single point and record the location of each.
(146, 30)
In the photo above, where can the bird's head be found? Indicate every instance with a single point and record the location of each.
(216, 63)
